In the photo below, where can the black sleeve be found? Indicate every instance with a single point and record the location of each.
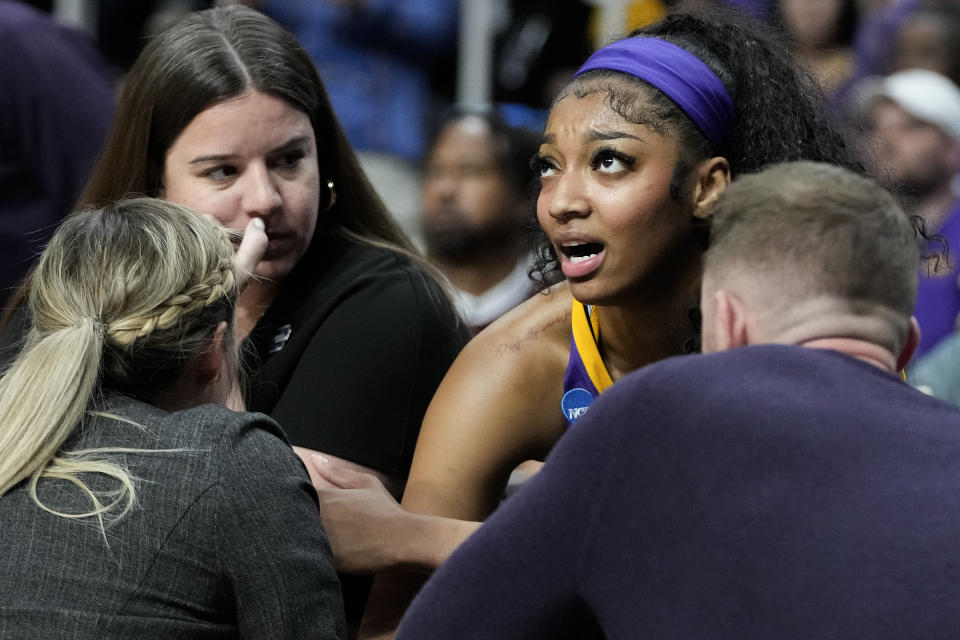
(271, 544)
(361, 384)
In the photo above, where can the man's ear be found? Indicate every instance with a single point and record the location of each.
(910, 345)
(712, 177)
(730, 322)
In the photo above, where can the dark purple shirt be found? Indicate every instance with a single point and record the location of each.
(764, 492)
(56, 105)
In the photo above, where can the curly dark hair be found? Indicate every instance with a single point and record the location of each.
(778, 106)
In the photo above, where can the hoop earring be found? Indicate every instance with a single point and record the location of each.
(332, 199)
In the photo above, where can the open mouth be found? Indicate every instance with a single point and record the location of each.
(581, 259)
(578, 252)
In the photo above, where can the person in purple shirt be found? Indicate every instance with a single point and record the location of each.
(913, 143)
(788, 484)
(55, 109)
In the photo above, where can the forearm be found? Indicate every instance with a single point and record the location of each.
(428, 540)
(424, 543)
(368, 530)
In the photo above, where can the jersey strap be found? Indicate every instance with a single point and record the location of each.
(586, 376)
(586, 335)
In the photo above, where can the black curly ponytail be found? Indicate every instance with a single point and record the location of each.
(778, 105)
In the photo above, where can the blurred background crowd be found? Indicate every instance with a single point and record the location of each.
(444, 100)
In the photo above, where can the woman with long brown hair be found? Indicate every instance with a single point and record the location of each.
(224, 112)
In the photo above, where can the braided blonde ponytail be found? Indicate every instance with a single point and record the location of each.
(169, 313)
(125, 297)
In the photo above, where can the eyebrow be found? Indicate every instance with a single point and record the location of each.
(222, 157)
(597, 134)
(593, 135)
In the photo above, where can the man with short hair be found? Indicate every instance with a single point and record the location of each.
(787, 485)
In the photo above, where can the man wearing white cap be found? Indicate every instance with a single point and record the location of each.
(913, 131)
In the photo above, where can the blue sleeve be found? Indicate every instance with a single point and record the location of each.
(409, 29)
(427, 27)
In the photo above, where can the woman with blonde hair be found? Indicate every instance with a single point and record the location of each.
(132, 502)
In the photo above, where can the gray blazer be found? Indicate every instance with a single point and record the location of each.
(224, 541)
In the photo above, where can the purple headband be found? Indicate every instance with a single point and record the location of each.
(679, 74)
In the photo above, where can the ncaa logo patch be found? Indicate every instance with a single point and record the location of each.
(575, 403)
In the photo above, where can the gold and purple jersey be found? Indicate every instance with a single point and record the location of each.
(586, 376)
